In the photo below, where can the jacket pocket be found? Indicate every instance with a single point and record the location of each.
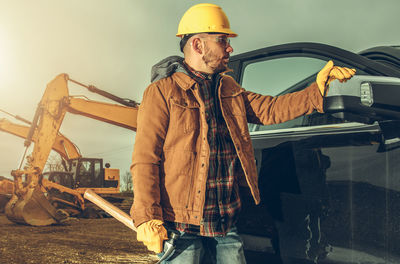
(233, 103)
(184, 115)
(235, 113)
(177, 182)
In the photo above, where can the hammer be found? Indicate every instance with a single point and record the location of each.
(169, 245)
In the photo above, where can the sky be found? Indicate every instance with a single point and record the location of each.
(113, 44)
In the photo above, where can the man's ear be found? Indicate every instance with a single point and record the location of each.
(197, 45)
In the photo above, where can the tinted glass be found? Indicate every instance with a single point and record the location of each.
(282, 75)
(84, 174)
(272, 77)
(97, 174)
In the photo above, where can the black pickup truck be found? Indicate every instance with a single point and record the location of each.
(329, 183)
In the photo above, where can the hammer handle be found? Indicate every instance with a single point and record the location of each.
(110, 209)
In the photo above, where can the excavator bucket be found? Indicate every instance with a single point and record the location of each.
(33, 208)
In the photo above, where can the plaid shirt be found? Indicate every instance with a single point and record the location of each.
(222, 203)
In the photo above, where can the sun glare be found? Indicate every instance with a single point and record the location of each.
(6, 63)
(3, 55)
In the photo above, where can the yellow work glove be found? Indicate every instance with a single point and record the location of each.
(152, 233)
(330, 73)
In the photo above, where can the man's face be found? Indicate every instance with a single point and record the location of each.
(216, 51)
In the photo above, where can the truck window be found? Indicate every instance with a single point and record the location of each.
(272, 77)
(282, 75)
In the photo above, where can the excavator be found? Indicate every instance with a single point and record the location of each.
(78, 173)
(62, 145)
(33, 201)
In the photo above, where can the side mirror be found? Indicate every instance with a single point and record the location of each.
(107, 165)
(364, 99)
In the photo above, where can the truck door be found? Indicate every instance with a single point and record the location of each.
(330, 185)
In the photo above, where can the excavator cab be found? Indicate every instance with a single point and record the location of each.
(90, 173)
(83, 174)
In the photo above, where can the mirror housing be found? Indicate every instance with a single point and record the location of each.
(364, 99)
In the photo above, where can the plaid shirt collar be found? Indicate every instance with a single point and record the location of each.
(197, 75)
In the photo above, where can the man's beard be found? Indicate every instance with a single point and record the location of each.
(213, 61)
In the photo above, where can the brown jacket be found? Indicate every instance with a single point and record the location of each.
(171, 153)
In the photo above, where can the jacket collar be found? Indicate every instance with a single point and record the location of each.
(183, 80)
(186, 82)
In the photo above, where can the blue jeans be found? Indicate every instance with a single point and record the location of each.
(194, 249)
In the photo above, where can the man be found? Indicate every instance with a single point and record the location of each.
(193, 150)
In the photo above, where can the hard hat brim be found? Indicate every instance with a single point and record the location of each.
(230, 33)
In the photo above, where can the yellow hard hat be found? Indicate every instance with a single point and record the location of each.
(204, 18)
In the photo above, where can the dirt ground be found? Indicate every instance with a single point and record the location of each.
(80, 241)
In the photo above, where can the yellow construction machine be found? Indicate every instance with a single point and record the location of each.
(34, 200)
(61, 145)
(78, 173)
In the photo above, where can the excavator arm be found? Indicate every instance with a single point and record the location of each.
(61, 145)
(113, 114)
(29, 204)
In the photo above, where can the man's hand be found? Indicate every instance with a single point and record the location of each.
(330, 73)
(152, 233)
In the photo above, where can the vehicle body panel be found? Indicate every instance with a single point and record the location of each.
(329, 183)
